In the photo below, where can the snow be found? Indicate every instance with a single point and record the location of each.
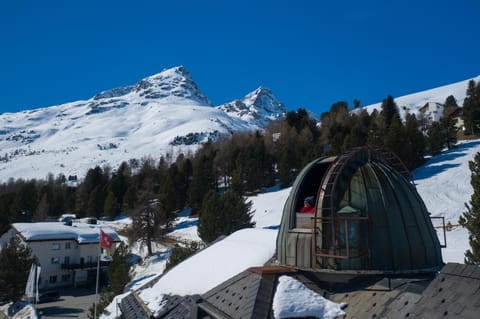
(209, 268)
(19, 310)
(413, 102)
(185, 230)
(81, 232)
(293, 300)
(134, 122)
(444, 185)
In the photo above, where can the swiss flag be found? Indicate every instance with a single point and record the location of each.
(106, 241)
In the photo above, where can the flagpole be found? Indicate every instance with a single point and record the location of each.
(98, 272)
(35, 287)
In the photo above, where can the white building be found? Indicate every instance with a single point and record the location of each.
(67, 252)
(432, 112)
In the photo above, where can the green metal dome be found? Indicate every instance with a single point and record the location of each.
(368, 216)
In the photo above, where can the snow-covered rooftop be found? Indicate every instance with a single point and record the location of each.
(81, 232)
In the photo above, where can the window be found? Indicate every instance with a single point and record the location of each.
(89, 259)
(55, 260)
(67, 245)
(53, 279)
(66, 277)
(55, 246)
(66, 260)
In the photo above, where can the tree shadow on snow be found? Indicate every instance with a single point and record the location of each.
(186, 224)
(432, 167)
(430, 171)
(274, 227)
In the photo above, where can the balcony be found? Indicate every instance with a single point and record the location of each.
(88, 265)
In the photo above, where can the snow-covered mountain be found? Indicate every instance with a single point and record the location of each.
(163, 113)
(166, 112)
(259, 107)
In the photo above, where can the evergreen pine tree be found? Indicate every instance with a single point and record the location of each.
(449, 106)
(210, 219)
(357, 104)
(237, 212)
(105, 298)
(222, 215)
(376, 129)
(236, 183)
(389, 110)
(95, 202)
(5, 214)
(449, 132)
(116, 189)
(180, 253)
(415, 147)
(93, 179)
(450, 101)
(203, 180)
(359, 132)
(15, 263)
(435, 140)
(118, 270)
(130, 198)
(42, 210)
(26, 200)
(285, 175)
(471, 108)
(471, 218)
(395, 137)
(110, 206)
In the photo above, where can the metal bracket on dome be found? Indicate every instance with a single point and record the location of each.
(443, 227)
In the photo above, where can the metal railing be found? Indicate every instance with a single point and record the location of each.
(87, 265)
(342, 247)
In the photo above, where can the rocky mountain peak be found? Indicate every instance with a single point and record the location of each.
(263, 98)
(173, 82)
(260, 106)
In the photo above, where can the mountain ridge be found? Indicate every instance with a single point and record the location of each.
(163, 113)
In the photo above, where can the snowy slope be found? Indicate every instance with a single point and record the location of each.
(411, 103)
(163, 113)
(444, 184)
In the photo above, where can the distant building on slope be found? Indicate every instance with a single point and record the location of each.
(457, 116)
(434, 112)
(67, 252)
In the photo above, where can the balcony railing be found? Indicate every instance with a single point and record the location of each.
(88, 265)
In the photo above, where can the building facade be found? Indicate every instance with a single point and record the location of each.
(68, 253)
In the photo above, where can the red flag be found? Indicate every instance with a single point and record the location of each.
(106, 241)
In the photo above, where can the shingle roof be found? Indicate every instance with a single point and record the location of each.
(452, 293)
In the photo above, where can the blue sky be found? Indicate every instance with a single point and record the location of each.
(311, 54)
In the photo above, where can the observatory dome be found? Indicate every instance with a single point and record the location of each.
(368, 217)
